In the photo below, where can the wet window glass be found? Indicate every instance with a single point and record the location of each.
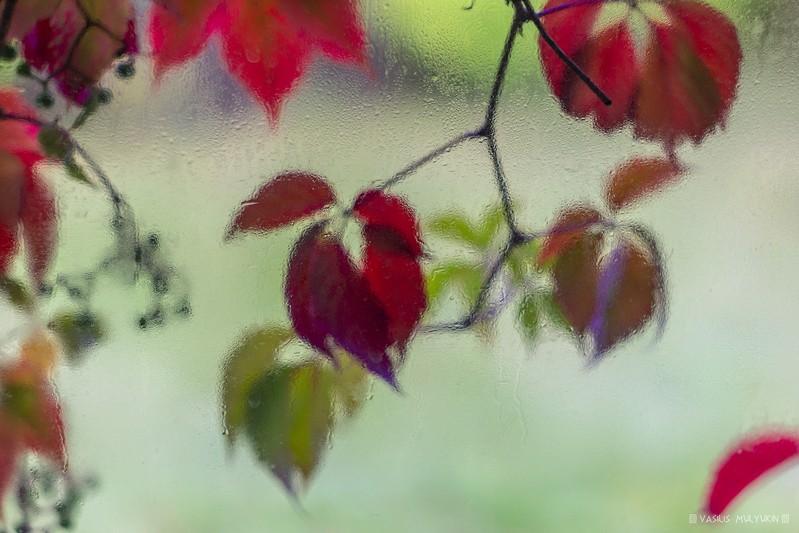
(411, 265)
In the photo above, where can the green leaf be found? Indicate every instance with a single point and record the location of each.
(78, 332)
(289, 421)
(529, 317)
(465, 279)
(455, 226)
(244, 366)
(552, 312)
(351, 385)
(17, 294)
(522, 262)
(490, 224)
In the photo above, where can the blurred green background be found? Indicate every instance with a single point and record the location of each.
(487, 437)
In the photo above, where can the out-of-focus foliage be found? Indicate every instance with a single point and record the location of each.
(288, 410)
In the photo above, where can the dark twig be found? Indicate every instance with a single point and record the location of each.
(428, 158)
(533, 17)
(5, 19)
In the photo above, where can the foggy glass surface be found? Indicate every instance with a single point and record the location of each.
(488, 435)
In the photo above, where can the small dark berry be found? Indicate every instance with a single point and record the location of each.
(104, 96)
(8, 52)
(158, 316)
(143, 322)
(160, 284)
(126, 70)
(45, 290)
(45, 100)
(24, 70)
(153, 240)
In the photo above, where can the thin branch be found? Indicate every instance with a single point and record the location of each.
(5, 19)
(574, 3)
(428, 158)
(499, 80)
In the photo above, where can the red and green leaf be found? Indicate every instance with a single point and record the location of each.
(678, 85)
(639, 177)
(570, 224)
(607, 298)
(30, 413)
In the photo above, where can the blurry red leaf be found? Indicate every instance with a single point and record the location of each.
(349, 310)
(77, 42)
(30, 414)
(25, 199)
(299, 299)
(367, 310)
(570, 225)
(281, 201)
(576, 276)
(27, 13)
(678, 85)
(328, 298)
(746, 462)
(396, 279)
(606, 299)
(39, 226)
(639, 177)
(267, 45)
(377, 208)
(626, 296)
(608, 57)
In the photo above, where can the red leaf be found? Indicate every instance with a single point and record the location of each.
(299, 298)
(626, 296)
(396, 279)
(267, 45)
(679, 85)
(349, 311)
(605, 300)
(77, 43)
(608, 57)
(377, 208)
(749, 460)
(25, 199)
(283, 200)
(329, 299)
(576, 277)
(39, 221)
(570, 224)
(638, 177)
